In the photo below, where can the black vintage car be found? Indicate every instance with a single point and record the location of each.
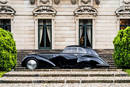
(70, 57)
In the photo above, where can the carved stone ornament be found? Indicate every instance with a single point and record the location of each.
(3, 1)
(85, 1)
(44, 10)
(126, 1)
(123, 11)
(4, 9)
(86, 10)
(73, 2)
(32, 1)
(57, 1)
(44, 1)
(97, 2)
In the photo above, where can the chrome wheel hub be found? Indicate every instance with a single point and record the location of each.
(31, 64)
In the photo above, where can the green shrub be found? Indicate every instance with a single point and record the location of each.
(122, 48)
(8, 52)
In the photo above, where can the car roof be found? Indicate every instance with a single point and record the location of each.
(77, 46)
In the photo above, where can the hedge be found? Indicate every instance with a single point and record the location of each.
(8, 52)
(122, 48)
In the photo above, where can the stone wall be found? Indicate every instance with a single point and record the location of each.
(65, 24)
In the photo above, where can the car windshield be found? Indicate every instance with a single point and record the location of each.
(91, 52)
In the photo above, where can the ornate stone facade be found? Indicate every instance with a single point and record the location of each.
(5, 9)
(86, 10)
(44, 10)
(124, 11)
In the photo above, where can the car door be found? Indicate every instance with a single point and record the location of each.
(71, 56)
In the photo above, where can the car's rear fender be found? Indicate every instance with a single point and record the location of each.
(89, 59)
(41, 59)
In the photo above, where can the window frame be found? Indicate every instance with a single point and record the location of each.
(7, 25)
(44, 48)
(123, 25)
(85, 30)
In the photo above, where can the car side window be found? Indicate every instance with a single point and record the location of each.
(70, 50)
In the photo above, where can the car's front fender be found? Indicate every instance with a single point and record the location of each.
(37, 58)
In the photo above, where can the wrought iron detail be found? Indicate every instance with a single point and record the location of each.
(4, 9)
(44, 10)
(123, 11)
(86, 10)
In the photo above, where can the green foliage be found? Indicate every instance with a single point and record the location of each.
(128, 71)
(122, 48)
(8, 52)
(2, 73)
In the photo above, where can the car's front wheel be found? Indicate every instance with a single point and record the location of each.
(31, 64)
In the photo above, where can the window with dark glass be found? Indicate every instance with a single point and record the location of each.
(5, 24)
(44, 33)
(124, 23)
(85, 32)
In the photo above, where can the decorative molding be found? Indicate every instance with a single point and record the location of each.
(126, 1)
(86, 10)
(86, 2)
(123, 11)
(44, 10)
(56, 2)
(44, 1)
(5, 9)
(3, 1)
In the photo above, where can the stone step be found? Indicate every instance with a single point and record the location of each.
(65, 85)
(65, 80)
(24, 69)
(65, 74)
